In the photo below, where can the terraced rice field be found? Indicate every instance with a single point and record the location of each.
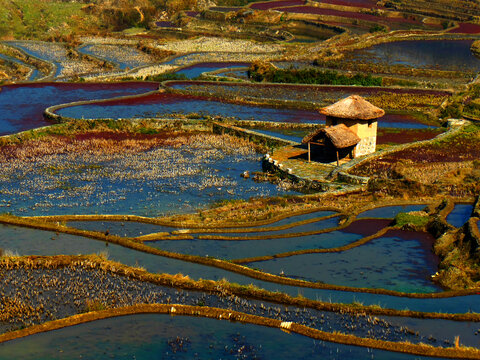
(322, 259)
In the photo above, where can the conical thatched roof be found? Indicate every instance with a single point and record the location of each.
(353, 107)
(340, 136)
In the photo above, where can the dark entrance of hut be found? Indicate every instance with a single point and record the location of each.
(333, 143)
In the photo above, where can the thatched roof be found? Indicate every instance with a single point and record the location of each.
(353, 107)
(340, 136)
(312, 136)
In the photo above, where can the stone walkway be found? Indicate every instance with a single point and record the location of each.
(295, 157)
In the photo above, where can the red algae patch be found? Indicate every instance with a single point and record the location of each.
(366, 227)
(346, 14)
(354, 3)
(466, 28)
(393, 136)
(275, 4)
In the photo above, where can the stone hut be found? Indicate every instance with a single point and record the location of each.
(358, 115)
(335, 142)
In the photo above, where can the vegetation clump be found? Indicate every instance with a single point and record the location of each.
(260, 71)
(415, 219)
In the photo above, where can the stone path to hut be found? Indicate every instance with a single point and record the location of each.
(295, 158)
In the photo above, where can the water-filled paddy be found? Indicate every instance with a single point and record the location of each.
(165, 104)
(460, 214)
(196, 70)
(179, 337)
(308, 93)
(398, 260)
(22, 106)
(25, 241)
(122, 56)
(35, 73)
(119, 228)
(267, 231)
(57, 54)
(431, 54)
(389, 212)
(162, 104)
(235, 249)
(181, 177)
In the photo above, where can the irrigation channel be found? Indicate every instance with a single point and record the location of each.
(323, 256)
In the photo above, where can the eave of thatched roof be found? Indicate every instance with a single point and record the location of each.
(340, 136)
(353, 107)
(312, 136)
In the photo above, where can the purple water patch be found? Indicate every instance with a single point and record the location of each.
(165, 24)
(192, 13)
(22, 106)
(224, 8)
(275, 4)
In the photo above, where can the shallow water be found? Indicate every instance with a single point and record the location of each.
(196, 70)
(24, 241)
(161, 105)
(50, 52)
(35, 73)
(431, 54)
(397, 261)
(146, 184)
(122, 56)
(314, 226)
(141, 336)
(22, 106)
(250, 248)
(460, 214)
(125, 229)
(389, 212)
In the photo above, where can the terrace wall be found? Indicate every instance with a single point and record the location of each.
(267, 140)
